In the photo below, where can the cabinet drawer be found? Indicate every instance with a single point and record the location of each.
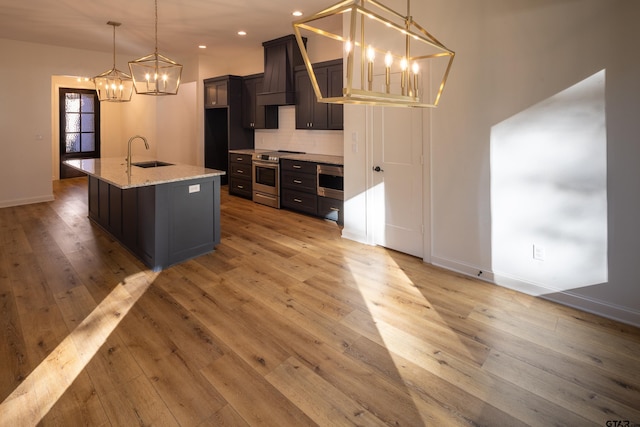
(243, 159)
(330, 208)
(298, 166)
(299, 201)
(240, 170)
(240, 186)
(299, 181)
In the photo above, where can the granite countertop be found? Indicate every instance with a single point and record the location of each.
(248, 151)
(307, 157)
(317, 158)
(114, 171)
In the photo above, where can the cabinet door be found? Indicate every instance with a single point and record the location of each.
(305, 97)
(311, 114)
(335, 119)
(216, 139)
(216, 94)
(331, 209)
(299, 201)
(256, 116)
(319, 116)
(249, 91)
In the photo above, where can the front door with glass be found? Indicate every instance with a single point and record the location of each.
(79, 127)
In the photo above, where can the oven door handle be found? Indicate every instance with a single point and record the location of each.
(266, 164)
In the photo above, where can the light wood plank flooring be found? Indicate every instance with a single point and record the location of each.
(285, 324)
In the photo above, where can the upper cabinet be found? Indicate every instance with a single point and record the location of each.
(255, 116)
(216, 92)
(314, 115)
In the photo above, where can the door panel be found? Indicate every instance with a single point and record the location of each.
(79, 127)
(398, 185)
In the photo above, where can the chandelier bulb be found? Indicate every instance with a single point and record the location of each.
(388, 59)
(371, 53)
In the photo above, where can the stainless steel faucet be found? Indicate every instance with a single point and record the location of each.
(146, 144)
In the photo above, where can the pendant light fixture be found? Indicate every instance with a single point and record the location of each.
(390, 59)
(155, 74)
(114, 85)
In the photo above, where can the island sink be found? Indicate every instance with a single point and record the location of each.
(152, 164)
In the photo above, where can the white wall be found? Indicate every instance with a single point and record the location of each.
(549, 190)
(510, 55)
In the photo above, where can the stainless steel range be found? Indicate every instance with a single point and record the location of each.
(266, 177)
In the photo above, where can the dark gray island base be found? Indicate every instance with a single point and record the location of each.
(163, 215)
(162, 224)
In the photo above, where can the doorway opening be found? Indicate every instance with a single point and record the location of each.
(79, 127)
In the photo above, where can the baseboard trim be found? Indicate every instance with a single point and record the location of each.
(462, 268)
(27, 201)
(568, 298)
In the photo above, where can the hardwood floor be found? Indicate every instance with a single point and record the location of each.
(285, 324)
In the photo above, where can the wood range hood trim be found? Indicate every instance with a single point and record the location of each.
(281, 56)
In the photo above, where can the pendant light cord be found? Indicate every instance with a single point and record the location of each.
(156, 2)
(114, 46)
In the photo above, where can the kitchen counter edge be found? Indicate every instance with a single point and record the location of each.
(114, 171)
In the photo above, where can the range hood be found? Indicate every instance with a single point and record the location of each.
(281, 56)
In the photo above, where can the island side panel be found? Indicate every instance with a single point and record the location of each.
(147, 226)
(190, 210)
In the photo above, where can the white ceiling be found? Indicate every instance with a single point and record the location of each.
(182, 24)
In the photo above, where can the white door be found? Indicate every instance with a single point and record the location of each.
(396, 212)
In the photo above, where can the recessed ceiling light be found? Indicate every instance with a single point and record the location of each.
(202, 46)
(242, 33)
(297, 13)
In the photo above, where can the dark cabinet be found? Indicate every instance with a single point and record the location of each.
(255, 116)
(216, 93)
(299, 191)
(314, 115)
(240, 174)
(310, 114)
(298, 186)
(335, 81)
(223, 130)
(332, 209)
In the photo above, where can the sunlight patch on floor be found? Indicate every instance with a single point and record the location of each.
(37, 394)
(400, 343)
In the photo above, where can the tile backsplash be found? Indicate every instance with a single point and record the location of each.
(287, 137)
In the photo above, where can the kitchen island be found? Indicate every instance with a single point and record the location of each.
(163, 213)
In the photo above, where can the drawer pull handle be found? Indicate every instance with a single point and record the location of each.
(241, 187)
(297, 200)
(297, 181)
(335, 209)
(297, 167)
(239, 171)
(239, 159)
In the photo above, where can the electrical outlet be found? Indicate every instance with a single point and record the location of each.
(539, 252)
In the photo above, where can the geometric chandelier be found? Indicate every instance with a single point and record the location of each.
(390, 59)
(114, 85)
(155, 74)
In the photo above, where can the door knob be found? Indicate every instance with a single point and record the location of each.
(378, 169)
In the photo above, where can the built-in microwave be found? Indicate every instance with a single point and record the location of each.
(330, 180)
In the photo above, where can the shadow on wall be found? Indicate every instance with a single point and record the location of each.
(549, 191)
